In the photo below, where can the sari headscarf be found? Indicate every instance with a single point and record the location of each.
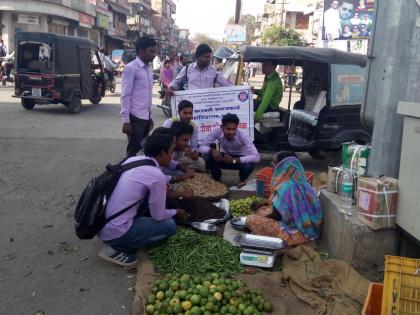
(295, 200)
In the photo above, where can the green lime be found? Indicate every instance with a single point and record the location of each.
(163, 286)
(195, 310)
(151, 299)
(182, 294)
(195, 299)
(175, 285)
(268, 307)
(160, 295)
(150, 309)
(169, 293)
(204, 292)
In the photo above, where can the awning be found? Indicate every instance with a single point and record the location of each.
(121, 39)
(117, 8)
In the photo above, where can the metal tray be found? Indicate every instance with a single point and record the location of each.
(239, 224)
(261, 242)
(222, 204)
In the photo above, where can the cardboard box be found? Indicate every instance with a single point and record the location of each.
(376, 201)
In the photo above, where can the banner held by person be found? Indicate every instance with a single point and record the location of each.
(211, 104)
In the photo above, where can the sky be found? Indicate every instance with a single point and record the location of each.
(210, 16)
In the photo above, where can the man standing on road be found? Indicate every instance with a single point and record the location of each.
(3, 49)
(200, 74)
(136, 95)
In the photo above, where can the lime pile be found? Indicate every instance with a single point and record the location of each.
(242, 207)
(204, 295)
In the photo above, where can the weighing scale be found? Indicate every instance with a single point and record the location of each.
(259, 251)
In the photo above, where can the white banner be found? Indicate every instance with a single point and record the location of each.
(211, 104)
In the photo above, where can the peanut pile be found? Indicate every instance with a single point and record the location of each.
(202, 186)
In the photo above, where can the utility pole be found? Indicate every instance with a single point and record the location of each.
(238, 8)
(394, 74)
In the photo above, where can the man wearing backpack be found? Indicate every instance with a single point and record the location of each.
(136, 95)
(3, 49)
(199, 74)
(150, 222)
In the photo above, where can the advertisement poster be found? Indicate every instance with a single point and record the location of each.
(347, 84)
(348, 19)
(211, 104)
(235, 33)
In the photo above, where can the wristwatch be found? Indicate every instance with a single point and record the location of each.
(234, 161)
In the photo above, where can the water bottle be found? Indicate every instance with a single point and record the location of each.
(346, 192)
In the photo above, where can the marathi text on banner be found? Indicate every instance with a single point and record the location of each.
(211, 104)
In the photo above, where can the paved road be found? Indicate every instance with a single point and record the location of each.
(47, 157)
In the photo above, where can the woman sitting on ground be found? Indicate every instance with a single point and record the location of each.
(293, 212)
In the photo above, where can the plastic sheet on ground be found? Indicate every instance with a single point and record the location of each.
(330, 286)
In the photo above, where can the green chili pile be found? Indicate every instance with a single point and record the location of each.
(193, 253)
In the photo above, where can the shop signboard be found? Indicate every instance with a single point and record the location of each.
(102, 20)
(211, 104)
(85, 20)
(28, 19)
(347, 84)
(348, 19)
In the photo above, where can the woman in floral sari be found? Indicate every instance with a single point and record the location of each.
(293, 212)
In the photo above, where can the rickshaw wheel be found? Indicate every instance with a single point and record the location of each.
(95, 100)
(27, 103)
(74, 105)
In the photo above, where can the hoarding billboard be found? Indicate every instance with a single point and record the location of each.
(348, 19)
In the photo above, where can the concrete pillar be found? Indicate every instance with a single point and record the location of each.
(7, 29)
(393, 77)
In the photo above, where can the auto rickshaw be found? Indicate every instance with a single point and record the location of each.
(53, 69)
(327, 113)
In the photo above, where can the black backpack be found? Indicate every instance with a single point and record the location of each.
(90, 210)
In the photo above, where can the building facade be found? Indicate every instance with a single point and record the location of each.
(297, 15)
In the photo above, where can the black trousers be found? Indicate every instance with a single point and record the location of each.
(215, 167)
(140, 129)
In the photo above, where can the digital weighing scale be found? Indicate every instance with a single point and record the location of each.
(259, 251)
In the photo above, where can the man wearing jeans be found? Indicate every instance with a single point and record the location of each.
(136, 95)
(239, 153)
(145, 225)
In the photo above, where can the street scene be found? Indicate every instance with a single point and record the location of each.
(256, 158)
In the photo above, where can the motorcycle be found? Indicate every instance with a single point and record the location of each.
(7, 71)
(110, 84)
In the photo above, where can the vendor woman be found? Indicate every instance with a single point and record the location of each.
(293, 212)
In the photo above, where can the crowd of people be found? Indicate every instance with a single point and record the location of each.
(176, 155)
(347, 19)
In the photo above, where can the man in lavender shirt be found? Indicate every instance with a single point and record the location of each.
(147, 222)
(239, 153)
(200, 74)
(136, 95)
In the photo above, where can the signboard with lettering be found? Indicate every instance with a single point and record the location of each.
(211, 104)
(85, 20)
(348, 84)
(28, 19)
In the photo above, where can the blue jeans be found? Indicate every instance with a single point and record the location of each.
(144, 233)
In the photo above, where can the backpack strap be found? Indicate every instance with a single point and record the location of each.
(124, 168)
(215, 79)
(186, 73)
(144, 162)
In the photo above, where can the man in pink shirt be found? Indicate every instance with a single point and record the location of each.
(136, 95)
(239, 153)
(148, 221)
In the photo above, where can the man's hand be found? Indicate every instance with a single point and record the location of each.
(189, 173)
(228, 159)
(188, 153)
(187, 194)
(217, 156)
(127, 129)
(195, 156)
(151, 124)
(181, 215)
(169, 92)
